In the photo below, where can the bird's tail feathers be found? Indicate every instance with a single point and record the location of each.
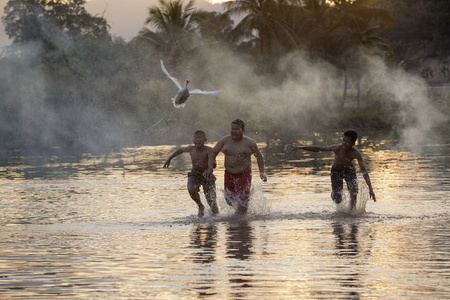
(178, 105)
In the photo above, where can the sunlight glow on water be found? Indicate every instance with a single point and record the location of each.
(123, 227)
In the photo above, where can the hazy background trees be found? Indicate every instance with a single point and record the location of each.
(66, 82)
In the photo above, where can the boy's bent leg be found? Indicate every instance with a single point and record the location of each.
(353, 198)
(210, 194)
(336, 199)
(213, 205)
(352, 184)
(194, 190)
(337, 185)
(196, 197)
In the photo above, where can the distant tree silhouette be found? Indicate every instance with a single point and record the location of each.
(49, 22)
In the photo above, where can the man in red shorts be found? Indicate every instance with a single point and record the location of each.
(238, 150)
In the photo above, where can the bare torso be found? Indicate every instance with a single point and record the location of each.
(199, 158)
(344, 158)
(237, 154)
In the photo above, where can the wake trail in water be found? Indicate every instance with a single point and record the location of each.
(260, 209)
(301, 216)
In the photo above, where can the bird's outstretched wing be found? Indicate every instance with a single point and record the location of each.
(170, 77)
(200, 92)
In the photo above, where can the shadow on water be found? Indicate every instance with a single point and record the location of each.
(348, 245)
(240, 237)
(239, 247)
(203, 240)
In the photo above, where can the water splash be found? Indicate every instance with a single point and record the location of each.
(259, 204)
(344, 207)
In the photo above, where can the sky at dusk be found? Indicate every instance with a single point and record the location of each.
(126, 18)
(3, 38)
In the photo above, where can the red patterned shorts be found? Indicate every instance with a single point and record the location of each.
(238, 185)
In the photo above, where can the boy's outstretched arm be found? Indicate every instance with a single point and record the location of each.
(176, 153)
(366, 177)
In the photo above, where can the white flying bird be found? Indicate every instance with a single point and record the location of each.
(183, 92)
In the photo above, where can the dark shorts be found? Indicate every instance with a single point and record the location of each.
(337, 181)
(196, 180)
(239, 185)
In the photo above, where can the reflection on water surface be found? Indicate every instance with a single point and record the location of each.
(121, 226)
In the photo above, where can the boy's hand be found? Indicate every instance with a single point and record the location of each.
(372, 195)
(167, 164)
(263, 176)
(208, 172)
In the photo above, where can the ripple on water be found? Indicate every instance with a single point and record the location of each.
(123, 227)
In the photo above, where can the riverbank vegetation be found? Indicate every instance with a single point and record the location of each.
(285, 68)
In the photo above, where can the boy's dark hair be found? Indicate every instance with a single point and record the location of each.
(351, 134)
(200, 132)
(240, 123)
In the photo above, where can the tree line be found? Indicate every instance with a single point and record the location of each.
(66, 81)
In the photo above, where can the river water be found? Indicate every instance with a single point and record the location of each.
(122, 227)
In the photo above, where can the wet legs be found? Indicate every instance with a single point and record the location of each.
(210, 195)
(242, 210)
(211, 198)
(230, 199)
(196, 197)
(353, 198)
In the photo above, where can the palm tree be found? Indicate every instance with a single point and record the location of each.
(366, 22)
(264, 23)
(323, 32)
(175, 23)
(216, 26)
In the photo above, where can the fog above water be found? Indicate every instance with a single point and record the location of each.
(317, 87)
(123, 98)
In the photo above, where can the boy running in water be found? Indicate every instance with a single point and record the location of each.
(199, 156)
(343, 167)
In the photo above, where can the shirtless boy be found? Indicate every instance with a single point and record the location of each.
(343, 167)
(238, 150)
(199, 156)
